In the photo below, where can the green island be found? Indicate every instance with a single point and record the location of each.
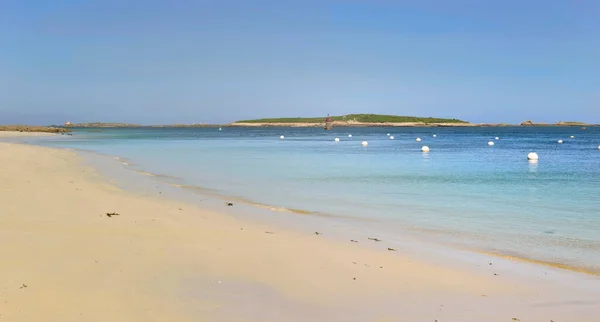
(358, 118)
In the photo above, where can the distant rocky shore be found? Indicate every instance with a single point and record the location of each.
(26, 128)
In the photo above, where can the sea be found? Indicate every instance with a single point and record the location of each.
(474, 190)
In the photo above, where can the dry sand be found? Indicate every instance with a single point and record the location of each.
(9, 134)
(63, 259)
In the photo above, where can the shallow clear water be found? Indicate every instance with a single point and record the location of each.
(463, 193)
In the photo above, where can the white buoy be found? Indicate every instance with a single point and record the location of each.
(560, 141)
(599, 147)
(337, 140)
(349, 135)
(435, 135)
(220, 129)
(418, 139)
(391, 137)
(425, 149)
(282, 137)
(491, 143)
(497, 138)
(388, 134)
(572, 136)
(365, 143)
(532, 156)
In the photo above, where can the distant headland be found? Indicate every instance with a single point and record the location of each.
(350, 120)
(27, 128)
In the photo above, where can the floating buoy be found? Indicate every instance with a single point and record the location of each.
(391, 137)
(599, 147)
(435, 135)
(418, 139)
(491, 143)
(365, 143)
(220, 129)
(532, 156)
(337, 140)
(497, 138)
(282, 137)
(388, 134)
(560, 141)
(349, 135)
(572, 136)
(425, 149)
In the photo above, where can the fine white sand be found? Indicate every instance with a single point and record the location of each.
(63, 259)
(8, 134)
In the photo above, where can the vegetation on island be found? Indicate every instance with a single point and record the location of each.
(359, 118)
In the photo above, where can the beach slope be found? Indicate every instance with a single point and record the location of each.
(74, 247)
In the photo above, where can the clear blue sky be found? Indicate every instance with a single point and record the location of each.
(184, 61)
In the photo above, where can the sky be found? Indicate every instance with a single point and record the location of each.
(162, 62)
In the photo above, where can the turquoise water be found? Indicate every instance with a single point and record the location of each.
(463, 193)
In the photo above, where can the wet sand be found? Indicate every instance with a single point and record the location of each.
(64, 259)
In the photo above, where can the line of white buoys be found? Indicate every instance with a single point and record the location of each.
(282, 137)
(532, 156)
(349, 135)
(425, 149)
(365, 143)
(491, 143)
(560, 141)
(337, 140)
(391, 137)
(418, 139)
(435, 135)
(497, 138)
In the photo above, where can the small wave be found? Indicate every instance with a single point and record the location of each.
(571, 267)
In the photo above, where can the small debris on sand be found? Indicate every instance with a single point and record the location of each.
(515, 319)
(374, 239)
(229, 204)
(354, 241)
(23, 286)
(317, 233)
(110, 214)
(269, 232)
(496, 274)
(391, 249)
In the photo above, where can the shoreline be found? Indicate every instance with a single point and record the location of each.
(541, 263)
(204, 192)
(181, 243)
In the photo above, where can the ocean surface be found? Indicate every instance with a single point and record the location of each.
(464, 193)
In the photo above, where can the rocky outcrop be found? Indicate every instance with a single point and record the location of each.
(26, 128)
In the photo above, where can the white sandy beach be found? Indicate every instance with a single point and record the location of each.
(64, 259)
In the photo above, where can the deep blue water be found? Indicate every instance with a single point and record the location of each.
(488, 198)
